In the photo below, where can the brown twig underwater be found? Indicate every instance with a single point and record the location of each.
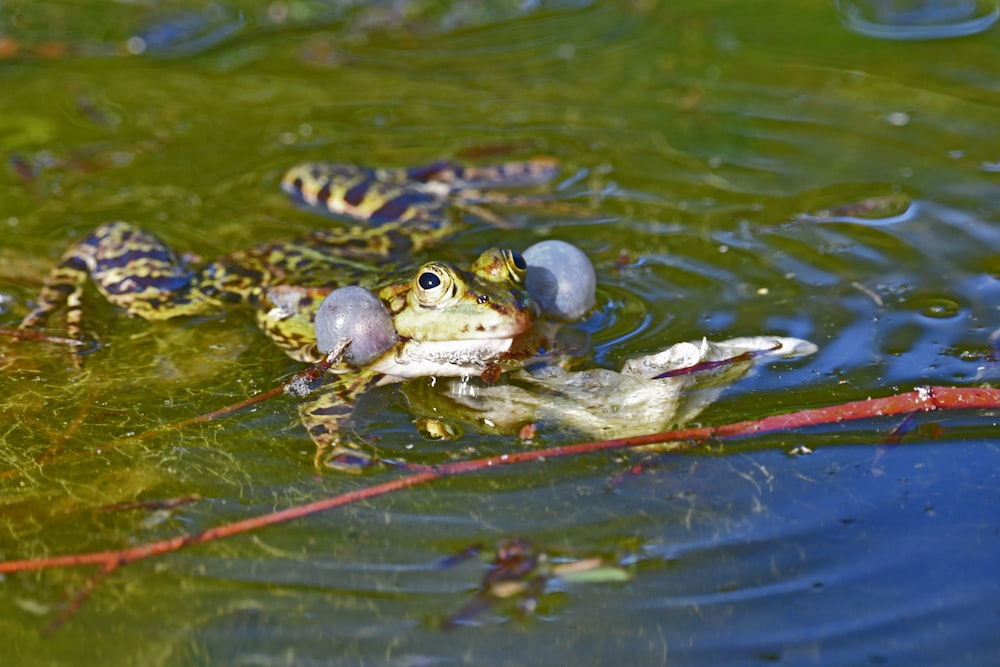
(922, 399)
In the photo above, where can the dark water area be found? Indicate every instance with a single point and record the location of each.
(731, 168)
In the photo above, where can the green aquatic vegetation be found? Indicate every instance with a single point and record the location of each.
(705, 135)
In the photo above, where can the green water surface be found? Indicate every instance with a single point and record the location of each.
(721, 152)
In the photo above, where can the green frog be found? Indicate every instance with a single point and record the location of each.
(397, 212)
(444, 322)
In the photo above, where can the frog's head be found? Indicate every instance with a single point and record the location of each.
(454, 322)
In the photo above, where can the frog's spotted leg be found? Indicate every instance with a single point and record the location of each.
(326, 413)
(357, 193)
(417, 197)
(538, 171)
(338, 255)
(473, 186)
(130, 267)
(286, 314)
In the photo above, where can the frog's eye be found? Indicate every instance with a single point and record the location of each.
(516, 266)
(429, 280)
(518, 261)
(501, 266)
(436, 285)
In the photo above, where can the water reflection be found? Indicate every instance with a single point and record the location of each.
(918, 19)
(793, 181)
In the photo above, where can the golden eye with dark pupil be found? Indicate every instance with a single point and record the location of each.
(435, 286)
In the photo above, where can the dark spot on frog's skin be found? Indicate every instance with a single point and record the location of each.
(428, 172)
(136, 256)
(356, 193)
(76, 264)
(319, 429)
(398, 241)
(220, 271)
(323, 196)
(297, 184)
(141, 283)
(62, 288)
(233, 297)
(395, 209)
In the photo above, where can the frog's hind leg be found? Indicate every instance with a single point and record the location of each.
(286, 313)
(138, 272)
(457, 177)
(374, 197)
(466, 183)
(326, 413)
(473, 188)
(132, 269)
(63, 285)
(416, 198)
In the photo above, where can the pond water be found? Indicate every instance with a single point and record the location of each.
(742, 167)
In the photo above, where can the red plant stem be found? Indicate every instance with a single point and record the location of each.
(125, 556)
(924, 399)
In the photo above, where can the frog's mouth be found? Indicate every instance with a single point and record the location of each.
(459, 340)
(446, 358)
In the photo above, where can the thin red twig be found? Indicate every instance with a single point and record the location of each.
(924, 399)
